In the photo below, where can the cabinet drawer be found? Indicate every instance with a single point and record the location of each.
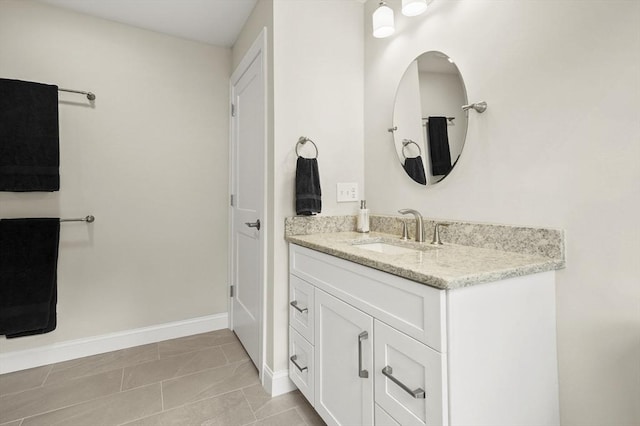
(415, 309)
(301, 307)
(410, 367)
(301, 366)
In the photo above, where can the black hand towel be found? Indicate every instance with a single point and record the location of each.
(29, 142)
(439, 146)
(415, 169)
(308, 194)
(28, 272)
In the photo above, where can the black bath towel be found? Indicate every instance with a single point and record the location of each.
(29, 142)
(28, 273)
(308, 194)
(439, 146)
(415, 169)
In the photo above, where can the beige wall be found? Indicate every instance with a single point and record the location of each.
(149, 161)
(318, 89)
(558, 147)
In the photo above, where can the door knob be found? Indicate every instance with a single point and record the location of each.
(255, 224)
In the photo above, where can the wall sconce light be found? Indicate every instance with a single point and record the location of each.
(413, 7)
(383, 25)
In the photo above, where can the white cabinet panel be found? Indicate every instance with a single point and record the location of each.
(417, 310)
(301, 307)
(383, 418)
(344, 362)
(301, 365)
(413, 390)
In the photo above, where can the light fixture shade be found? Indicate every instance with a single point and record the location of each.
(383, 25)
(413, 7)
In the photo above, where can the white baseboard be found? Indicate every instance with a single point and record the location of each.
(72, 349)
(276, 383)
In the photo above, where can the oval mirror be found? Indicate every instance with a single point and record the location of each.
(429, 125)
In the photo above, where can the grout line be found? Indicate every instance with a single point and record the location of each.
(284, 411)
(64, 407)
(104, 368)
(162, 397)
(44, 382)
(255, 418)
(214, 345)
(208, 397)
(40, 386)
(294, 406)
(192, 351)
(193, 373)
(122, 380)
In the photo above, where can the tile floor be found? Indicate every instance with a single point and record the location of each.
(206, 379)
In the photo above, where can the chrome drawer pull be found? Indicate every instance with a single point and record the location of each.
(362, 373)
(295, 305)
(293, 360)
(418, 393)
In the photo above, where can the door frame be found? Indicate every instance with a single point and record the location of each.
(259, 46)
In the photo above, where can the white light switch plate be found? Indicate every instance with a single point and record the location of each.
(346, 192)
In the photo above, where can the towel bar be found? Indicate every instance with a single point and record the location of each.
(90, 95)
(87, 219)
(449, 119)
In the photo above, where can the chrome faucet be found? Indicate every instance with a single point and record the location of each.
(419, 225)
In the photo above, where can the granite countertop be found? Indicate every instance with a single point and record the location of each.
(448, 266)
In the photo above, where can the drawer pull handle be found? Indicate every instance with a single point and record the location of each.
(299, 309)
(418, 393)
(293, 360)
(362, 373)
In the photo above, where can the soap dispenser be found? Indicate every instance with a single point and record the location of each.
(362, 224)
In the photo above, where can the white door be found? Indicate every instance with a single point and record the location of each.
(248, 141)
(343, 362)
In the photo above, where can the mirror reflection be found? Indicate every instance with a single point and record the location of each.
(429, 126)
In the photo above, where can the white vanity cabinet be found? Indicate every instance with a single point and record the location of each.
(367, 347)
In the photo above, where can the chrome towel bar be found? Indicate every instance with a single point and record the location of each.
(90, 95)
(87, 219)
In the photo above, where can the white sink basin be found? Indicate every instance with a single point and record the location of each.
(386, 248)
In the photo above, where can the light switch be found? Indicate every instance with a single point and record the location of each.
(346, 192)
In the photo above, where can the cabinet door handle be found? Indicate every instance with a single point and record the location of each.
(418, 393)
(299, 309)
(362, 373)
(293, 360)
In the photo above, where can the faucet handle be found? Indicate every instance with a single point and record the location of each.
(436, 234)
(405, 232)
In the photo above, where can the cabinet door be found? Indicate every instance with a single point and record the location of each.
(410, 378)
(301, 307)
(343, 361)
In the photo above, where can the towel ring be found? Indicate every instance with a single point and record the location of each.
(301, 141)
(406, 142)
